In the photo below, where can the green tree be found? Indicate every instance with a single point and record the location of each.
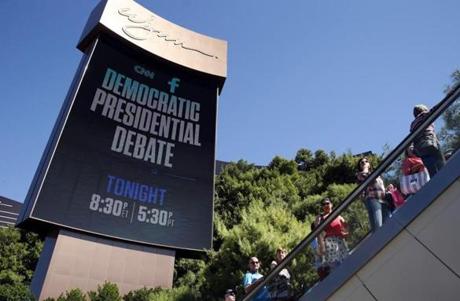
(175, 294)
(450, 132)
(341, 170)
(321, 159)
(261, 231)
(72, 295)
(283, 166)
(15, 292)
(19, 252)
(234, 191)
(304, 159)
(189, 273)
(107, 292)
(143, 294)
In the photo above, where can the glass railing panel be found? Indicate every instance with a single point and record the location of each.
(448, 129)
(324, 253)
(311, 260)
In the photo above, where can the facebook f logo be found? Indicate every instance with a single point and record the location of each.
(173, 84)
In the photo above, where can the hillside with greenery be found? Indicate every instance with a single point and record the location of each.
(260, 209)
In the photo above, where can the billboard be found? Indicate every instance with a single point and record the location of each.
(134, 157)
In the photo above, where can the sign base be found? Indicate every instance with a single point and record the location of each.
(74, 260)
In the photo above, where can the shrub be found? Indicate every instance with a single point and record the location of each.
(73, 295)
(107, 292)
(15, 292)
(143, 294)
(175, 294)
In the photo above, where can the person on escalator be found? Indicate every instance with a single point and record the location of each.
(414, 173)
(374, 196)
(230, 295)
(394, 197)
(336, 249)
(411, 163)
(426, 144)
(252, 277)
(280, 287)
(317, 245)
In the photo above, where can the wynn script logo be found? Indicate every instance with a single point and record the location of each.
(142, 28)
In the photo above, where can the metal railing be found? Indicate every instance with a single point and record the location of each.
(451, 96)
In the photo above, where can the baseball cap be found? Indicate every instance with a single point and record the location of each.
(326, 201)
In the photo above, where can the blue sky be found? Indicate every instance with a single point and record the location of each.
(333, 75)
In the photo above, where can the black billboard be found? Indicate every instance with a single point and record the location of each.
(134, 158)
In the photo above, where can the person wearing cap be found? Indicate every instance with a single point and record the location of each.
(252, 277)
(336, 249)
(426, 144)
(229, 295)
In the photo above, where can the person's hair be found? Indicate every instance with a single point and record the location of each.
(326, 200)
(250, 259)
(419, 109)
(409, 151)
(229, 291)
(359, 164)
(280, 249)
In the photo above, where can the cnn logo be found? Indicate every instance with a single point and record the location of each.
(144, 72)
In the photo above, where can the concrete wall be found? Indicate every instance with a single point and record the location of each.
(74, 260)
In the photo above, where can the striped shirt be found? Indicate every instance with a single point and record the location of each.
(375, 190)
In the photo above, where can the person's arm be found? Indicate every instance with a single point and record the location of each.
(405, 167)
(321, 244)
(417, 165)
(380, 188)
(318, 220)
(434, 108)
(343, 227)
(248, 287)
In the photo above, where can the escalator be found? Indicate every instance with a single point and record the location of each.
(413, 256)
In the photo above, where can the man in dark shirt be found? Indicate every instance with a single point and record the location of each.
(426, 144)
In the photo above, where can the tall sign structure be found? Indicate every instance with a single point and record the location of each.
(129, 169)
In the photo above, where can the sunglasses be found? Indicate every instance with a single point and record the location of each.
(231, 294)
(253, 262)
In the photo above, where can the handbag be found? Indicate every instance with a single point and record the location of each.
(410, 184)
(398, 199)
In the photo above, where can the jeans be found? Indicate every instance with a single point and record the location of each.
(378, 213)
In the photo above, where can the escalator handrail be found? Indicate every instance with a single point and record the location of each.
(450, 97)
